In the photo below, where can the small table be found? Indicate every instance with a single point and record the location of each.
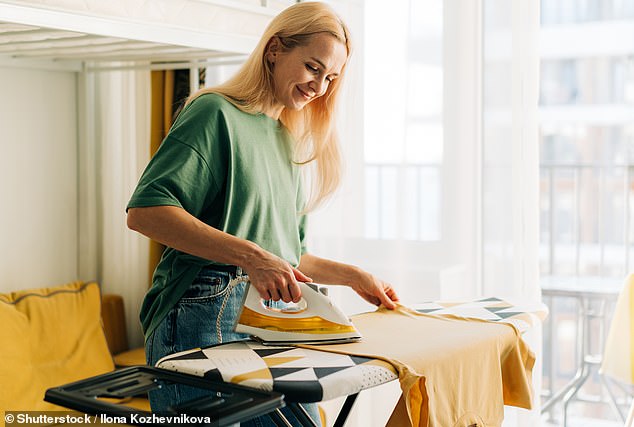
(586, 291)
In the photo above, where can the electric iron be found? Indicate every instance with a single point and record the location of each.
(313, 320)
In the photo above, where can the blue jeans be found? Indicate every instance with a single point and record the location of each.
(205, 315)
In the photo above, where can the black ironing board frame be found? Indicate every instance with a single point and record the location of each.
(245, 403)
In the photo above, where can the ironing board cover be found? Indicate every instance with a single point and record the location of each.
(522, 315)
(303, 375)
(307, 375)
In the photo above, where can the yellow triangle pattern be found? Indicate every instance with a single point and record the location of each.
(499, 304)
(276, 361)
(450, 304)
(260, 374)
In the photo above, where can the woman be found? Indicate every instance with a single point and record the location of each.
(224, 191)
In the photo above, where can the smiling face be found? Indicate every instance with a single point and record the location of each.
(303, 73)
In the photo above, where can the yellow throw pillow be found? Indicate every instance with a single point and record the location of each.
(54, 336)
(18, 382)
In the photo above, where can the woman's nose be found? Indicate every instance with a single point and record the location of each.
(319, 86)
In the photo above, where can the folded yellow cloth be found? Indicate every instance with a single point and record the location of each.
(452, 371)
(618, 356)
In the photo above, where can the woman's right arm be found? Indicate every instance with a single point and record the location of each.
(172, 226)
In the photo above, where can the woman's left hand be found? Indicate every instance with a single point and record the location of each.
(375, 291)
(371, 289)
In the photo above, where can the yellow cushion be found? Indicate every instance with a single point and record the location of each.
(54, 336)
(132, 357)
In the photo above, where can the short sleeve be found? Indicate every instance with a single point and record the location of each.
(189, 168)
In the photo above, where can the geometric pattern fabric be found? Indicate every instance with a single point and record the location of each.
(308, 375)
(521, 315)
(302, 375)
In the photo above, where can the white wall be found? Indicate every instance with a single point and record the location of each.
(38, 178)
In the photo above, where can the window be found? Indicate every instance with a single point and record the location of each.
(586, 145)
(555, 12)
(403, 147)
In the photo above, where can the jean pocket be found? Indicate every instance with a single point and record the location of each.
(208, 285)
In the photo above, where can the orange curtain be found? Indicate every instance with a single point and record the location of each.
(170, 89)
(162, 101)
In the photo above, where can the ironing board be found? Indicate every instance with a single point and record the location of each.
(301, 375)
(307, 375)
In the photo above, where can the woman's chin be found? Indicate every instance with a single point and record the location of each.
(298, 105)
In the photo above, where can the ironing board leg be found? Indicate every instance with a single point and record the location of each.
(279, 419)
(345, 410)
(301, 414)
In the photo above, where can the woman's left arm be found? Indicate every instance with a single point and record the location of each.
(325, 271)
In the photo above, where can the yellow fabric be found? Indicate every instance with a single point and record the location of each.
(631, 324)
(113, 319)
(50, 337)
(132, 357)
(161, 121)
(618, 355)
(18, 382)
(452, 371)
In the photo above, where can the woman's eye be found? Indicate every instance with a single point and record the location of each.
(311, 68)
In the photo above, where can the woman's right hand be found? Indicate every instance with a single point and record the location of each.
(275, 278)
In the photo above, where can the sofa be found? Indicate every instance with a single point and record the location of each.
(57, 335)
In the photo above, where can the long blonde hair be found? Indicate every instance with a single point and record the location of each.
(313, 127)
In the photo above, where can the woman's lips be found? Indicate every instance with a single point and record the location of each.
(304, 94)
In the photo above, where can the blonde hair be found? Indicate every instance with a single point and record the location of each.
(251, 90)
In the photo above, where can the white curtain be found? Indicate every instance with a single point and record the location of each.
(413, 109)
(488, 234)
(117, 109)
(486, 240)
(510, 172)
(510, 152)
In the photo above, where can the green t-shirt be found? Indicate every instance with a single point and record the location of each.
(233, 171)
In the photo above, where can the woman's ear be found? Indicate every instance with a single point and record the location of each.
(272, 49)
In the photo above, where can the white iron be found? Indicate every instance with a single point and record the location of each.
(313, 320)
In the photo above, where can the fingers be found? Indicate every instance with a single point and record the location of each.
(279, 283)
(379, 293)
(265, 294)
(300, 277)
(294, 291)
(391, 293)
(386, 300)
(286, 292)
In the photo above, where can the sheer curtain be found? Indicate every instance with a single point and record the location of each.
(386, 218)
(114, 149)
(510, 150)
(439, 129)
(485, 192)
(411, 207)
(510, 165)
